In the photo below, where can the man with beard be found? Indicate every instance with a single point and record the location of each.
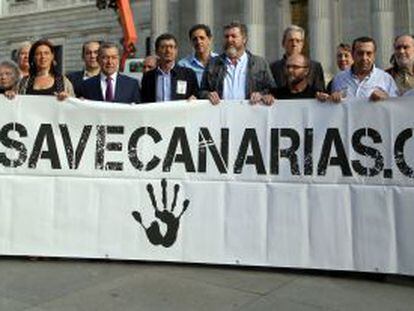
(168, 81)
(297, 74)
(363, 79)
(403, 63)
(237, 74)
(91, 68)
(293, 42)
(201, 39)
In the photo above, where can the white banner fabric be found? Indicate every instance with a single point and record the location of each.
(298, 184)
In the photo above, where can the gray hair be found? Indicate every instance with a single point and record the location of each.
(13, 66)
(237, 24)
(108, 45)
(26, 44)
(293, 28)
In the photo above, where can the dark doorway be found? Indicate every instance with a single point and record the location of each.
(299, 9)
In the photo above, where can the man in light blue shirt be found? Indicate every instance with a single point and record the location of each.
(235, 78)
(363, 79)
(201, 39)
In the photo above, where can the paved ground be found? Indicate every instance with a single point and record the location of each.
(101, 285)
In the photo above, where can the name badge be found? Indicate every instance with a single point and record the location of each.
(181, 87)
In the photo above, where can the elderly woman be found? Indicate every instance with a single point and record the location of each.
(9, 76)
(43, 77)
(23, 58)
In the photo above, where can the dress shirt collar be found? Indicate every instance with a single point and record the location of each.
(87, 74)
(240, 60)
(113, 76)
(195, 61)
(160, 71)
(352, 72)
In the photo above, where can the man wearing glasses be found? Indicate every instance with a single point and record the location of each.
(297, 76)
(293, 42)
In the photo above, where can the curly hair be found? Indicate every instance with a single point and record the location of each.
(33, 68)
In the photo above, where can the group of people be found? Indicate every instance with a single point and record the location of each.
(235, 74)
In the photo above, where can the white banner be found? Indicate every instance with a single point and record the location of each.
(299, 184)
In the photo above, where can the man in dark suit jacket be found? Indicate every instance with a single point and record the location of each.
(168, 81)
(92, 68)
(110, 85)
(293, 41)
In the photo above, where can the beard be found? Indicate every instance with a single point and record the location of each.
(404, 62)
(231, 51)
(295, 80)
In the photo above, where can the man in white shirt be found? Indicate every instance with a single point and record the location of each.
(363, 79)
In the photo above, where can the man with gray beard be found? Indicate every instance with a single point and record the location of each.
(403, 63)
(237, 74)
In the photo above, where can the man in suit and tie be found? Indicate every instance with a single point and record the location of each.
(110, 85)
(92, 68)
(168, 81)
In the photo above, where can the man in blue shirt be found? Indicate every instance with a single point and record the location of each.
(201, 39)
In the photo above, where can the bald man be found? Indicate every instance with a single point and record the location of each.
(297, 79)
(150, 63)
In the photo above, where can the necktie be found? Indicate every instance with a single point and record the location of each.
(109, 93)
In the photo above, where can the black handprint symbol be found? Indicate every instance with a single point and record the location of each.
(166, 216)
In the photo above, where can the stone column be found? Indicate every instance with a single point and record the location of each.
(320, 34)
(255, 20)
(382, 20)
(159, 19)
(40, 4)
(402, 16)
(284, 18)
(204, 12)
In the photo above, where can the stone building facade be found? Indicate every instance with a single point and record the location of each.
(327, 22)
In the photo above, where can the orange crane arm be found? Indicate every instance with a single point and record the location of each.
(130, 34)
(126, 18)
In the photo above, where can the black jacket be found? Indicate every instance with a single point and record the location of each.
(178, 73)
(76, 78)
(126, 89)
(316, 78)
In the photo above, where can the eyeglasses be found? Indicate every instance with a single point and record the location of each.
(6, 74)
(295, 67)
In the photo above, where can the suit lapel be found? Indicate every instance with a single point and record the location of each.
(173, 94)
(118, 93)
(98, 87)
(153, 85)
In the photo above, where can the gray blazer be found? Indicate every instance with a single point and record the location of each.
(259, 77)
